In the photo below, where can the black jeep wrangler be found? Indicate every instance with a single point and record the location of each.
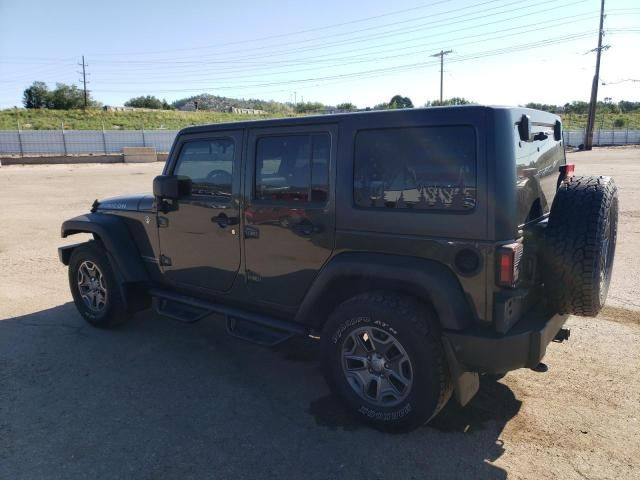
(423, 247)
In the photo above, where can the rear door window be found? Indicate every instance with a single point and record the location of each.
(417, 168)
(292, 168)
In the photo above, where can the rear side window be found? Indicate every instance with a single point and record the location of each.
(418, 168)
(292, 168)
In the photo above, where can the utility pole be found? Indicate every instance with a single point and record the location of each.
(441, 54)
(588, 137)
(84, 80)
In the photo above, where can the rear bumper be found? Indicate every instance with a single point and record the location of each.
(524, 345)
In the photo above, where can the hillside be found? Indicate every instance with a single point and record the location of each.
(223, 104)
(93, 119)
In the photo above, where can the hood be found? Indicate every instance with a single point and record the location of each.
(136, 202)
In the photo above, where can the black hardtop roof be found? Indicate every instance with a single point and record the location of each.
(336, 117)
(406, 113)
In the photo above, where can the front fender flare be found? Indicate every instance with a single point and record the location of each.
(117, 241)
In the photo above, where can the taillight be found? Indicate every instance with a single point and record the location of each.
(567, 170)
(509, 257)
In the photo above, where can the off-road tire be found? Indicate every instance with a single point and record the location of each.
(114, 312)
(578, 263)
(415, 326)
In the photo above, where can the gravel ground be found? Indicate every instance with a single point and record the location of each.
(159, 399)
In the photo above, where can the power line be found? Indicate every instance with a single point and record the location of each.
(385, 70)
(459, 19)
(325, 83)
(394, 49)
(634, 80)
(339, 61)
(280, 35)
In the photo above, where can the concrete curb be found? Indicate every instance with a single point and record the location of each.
(68, 160)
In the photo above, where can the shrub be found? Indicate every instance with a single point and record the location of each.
(618, 122)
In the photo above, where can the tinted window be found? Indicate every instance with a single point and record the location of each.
(424, 168)
(292, 168)
(209, 165)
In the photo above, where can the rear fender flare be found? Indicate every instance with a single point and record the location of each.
(349, 274)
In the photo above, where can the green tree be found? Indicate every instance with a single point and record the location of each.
(67, 97)
(346, 107)
(625, 106)
(148, 101)
(36, 96)
(398, 101)
(576, 107)
(545, 107)
(308, 107)
(448, 101)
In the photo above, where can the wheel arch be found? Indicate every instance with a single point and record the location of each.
(350, 274)
(116, 239)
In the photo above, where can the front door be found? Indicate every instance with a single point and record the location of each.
(288, 219)
(199, 238)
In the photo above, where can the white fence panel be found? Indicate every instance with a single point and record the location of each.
(74, 142)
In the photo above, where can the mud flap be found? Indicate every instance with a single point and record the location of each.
(465, 384)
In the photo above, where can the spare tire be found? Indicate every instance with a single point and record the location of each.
(580, 245)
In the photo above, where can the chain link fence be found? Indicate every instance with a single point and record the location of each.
(79, 142)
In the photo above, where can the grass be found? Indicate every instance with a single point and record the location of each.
(93, 119)
(606, 121)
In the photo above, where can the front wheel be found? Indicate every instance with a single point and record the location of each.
(95, 290)
(383, 357)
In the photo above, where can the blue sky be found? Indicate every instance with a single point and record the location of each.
(504, 51)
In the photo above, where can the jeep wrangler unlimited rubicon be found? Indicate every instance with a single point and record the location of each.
(424, 247)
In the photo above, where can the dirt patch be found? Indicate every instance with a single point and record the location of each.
(158, 399)
(623, 315)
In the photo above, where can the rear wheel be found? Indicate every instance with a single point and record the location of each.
(581, 242)
(95, 291)
(383, 357)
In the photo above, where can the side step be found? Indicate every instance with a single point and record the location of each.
(253, 327)
(182, 312)
(259, 333)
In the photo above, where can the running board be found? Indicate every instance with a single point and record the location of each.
(259, 333)
(253, 327)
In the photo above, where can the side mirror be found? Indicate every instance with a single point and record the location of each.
(524, 128)
(557, 131)
(171, 186)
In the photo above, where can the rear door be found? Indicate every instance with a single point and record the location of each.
(199, 237)
(288, 219)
